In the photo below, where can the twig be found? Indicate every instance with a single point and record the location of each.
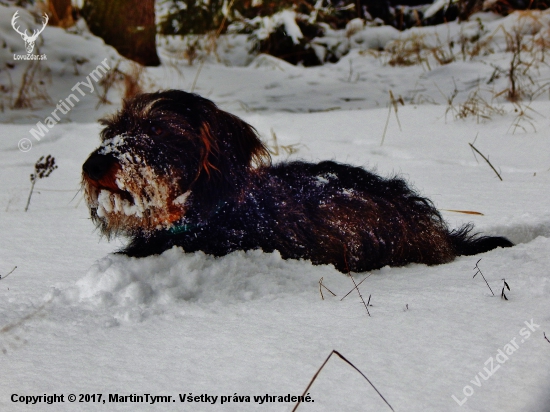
(361, 296)
(30, 194)
(321, 291)
(355, 284)
(487, 160)
(4, 277)
(546, 337)
(349, 363)
(479, 271)
(359, 284)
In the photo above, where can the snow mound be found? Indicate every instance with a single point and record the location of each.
(176, 276)
(266, 61)
(376, 37)
(523, 229)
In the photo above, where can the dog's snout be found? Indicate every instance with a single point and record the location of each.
(97, 166)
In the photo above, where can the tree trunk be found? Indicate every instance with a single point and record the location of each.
(127, 25)
(60, 13)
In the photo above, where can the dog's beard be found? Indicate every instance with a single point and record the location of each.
(136, 198)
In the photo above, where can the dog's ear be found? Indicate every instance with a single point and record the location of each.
(231, 151)
(230, 140)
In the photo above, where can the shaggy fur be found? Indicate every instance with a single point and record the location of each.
(175, 170)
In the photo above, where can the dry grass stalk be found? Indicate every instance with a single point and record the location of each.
(522, 117)
(355, 285)
(9, 273)
(335, 352)
(467, 212)
(408, 51)
(393, 104)
(415, 49)
(212, 45)
(528, 45)
(42, 169)
(443, 53)
(107, 82)
(9, 328)
(190, 52)
(477, 107)
(275, 149)
(487, 160)
(450, 100)
(476, 44)
(133, 80)
(479, 272)
(33, 86)
(323, 286)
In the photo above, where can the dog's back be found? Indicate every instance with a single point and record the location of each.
(328, 213)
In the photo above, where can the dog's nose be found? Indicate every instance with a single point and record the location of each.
(97, 166)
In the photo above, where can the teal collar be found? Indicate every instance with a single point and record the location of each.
(177, 229)
(188, 227)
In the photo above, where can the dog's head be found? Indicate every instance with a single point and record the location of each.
(159, 153)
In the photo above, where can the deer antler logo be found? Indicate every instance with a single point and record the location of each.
(29, 40)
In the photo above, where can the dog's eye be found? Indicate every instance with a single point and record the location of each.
(157, 131)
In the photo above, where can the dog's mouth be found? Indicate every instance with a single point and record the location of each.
(106, 194)
(130, 197)
(119, 202)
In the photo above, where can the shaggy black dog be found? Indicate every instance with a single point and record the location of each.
(174, 169)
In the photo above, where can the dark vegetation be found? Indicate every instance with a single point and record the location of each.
(130, 26)
(196, 17)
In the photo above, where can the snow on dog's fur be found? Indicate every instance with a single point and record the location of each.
(174, 169)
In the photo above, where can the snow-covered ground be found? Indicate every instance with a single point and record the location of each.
(76, 319)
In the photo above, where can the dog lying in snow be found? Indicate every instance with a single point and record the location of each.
(175, 170)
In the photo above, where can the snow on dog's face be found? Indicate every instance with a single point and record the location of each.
(159, 154)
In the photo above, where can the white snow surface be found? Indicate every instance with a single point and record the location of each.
(78, 319)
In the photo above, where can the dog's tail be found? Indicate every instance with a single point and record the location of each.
(467, 244)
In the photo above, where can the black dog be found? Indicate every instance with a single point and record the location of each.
(173, 169)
